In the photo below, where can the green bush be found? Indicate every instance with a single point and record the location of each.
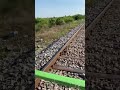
(78, 17)
(52, 22)
(68, 19)
(41, 23)
(37, 28)
(36, 20)
(45, 23)
(60, 21)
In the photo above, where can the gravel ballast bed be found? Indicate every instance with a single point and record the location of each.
(43, 57)
(93, 11)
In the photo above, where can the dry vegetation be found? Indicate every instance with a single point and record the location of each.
(46, 36)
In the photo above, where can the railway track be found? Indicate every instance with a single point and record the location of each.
(76, 66)
(53, 65)
(44, 57)
(87, 28)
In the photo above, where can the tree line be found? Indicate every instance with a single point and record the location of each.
(50, 22)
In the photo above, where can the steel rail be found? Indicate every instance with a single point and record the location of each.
(57, 55)
(47, 67)
(58, 67)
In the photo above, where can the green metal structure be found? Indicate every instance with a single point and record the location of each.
(62, 80)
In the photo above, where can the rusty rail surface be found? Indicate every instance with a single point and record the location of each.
(68, 69)
(51, 63)
(57, 55)
(48, 66)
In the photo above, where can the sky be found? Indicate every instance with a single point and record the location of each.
(56, 8)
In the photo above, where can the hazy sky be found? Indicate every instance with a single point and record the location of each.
(51, 8)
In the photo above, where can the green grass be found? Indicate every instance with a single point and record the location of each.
(50, 34)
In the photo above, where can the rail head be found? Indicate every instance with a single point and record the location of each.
(57, 55)
(47, 66)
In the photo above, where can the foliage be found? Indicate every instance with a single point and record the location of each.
(51, 34)
(78, 17)
(60, 21)
(36, 21)
(68, 19)
(37, 27)
(52, 22)
(43, 23)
